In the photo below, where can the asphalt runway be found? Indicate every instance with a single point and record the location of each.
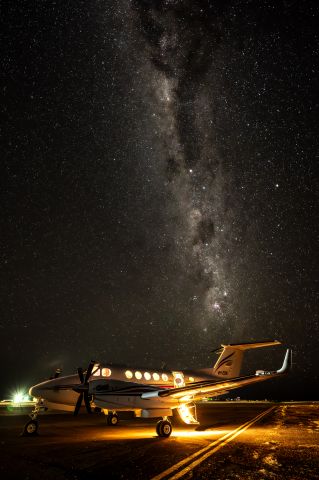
(235, 440)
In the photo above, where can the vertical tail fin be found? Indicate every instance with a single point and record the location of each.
(231, 356)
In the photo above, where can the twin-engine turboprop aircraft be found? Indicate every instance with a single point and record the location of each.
(149, 393)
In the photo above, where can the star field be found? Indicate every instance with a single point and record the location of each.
(159, 191)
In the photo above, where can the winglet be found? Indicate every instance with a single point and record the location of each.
(286, 366)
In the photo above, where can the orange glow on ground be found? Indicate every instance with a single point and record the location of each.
(198, 434)
(136, 433)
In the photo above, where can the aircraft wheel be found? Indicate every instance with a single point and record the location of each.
(31, 428)
(164, 428)
(112, 419)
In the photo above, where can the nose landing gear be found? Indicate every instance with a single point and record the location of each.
(31, 427)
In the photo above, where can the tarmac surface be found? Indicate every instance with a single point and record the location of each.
(235, 440)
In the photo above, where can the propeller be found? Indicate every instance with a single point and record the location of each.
(83, 388)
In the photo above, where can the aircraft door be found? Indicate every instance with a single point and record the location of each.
(179, 380)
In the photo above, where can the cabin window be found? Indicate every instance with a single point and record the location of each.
(96, 373)
(138, 375)
(156, 376)
(191, 379)
(128, 374)
(106, 372)
(147, 376)
(164, 377)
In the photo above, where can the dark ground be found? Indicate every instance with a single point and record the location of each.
(283, 445)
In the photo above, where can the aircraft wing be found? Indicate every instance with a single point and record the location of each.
(198, 390)
(212, 388)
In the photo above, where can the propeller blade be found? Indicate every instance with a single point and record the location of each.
(78, 404)
(87, 402)
(83, 388)
(80, 373)
(89, 371)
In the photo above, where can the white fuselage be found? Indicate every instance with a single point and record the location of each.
(117, 388)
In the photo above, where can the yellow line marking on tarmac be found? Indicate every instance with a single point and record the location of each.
(208, 450)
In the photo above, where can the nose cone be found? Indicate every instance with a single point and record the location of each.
(57, 390)
(39, 390)
(35, 391)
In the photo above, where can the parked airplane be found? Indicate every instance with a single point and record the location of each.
(148, 393)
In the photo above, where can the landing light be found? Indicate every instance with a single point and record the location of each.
(20, 397)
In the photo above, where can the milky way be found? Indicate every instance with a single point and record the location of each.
(230, 221)
(182, 40)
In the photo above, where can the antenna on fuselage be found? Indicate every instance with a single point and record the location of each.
(56, 374)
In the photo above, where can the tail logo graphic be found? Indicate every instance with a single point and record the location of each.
(225, 360)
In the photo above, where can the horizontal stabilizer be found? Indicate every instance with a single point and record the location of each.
(248, 346)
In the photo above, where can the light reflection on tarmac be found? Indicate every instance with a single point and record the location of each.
(283, 444)
(148, 431)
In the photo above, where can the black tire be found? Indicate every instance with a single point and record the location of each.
(164, 428)
(31, 428)
(112, 419)
(157, 427)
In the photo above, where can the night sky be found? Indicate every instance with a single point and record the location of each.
(158, 187)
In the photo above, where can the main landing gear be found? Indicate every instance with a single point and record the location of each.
(112, 419)
(31, 427)
(164, 428)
